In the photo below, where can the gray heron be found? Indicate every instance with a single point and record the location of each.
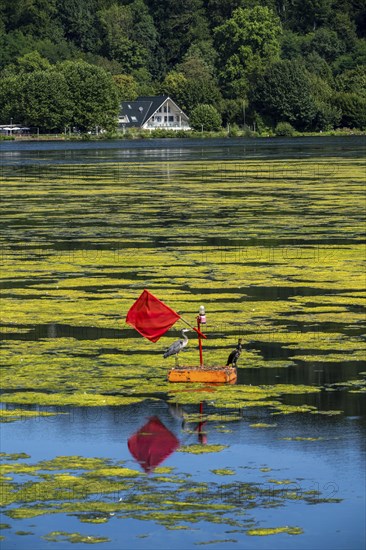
(234, 355)
(177, 346)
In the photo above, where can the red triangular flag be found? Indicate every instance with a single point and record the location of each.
(151, 317)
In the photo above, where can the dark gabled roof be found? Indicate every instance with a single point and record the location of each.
(141, 109)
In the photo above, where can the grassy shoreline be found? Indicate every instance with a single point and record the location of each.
(166, 134)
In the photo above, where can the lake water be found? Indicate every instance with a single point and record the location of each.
(269, 235)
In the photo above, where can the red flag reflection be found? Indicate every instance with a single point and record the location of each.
(152, 444)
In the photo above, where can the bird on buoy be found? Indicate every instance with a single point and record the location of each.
(177, 346)
(234, 355)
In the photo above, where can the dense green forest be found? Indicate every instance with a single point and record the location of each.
(257, 62)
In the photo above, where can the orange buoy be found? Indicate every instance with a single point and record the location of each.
(213, 375)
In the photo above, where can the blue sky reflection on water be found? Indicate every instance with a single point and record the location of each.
(333, 465)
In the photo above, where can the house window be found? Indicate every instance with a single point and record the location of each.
(165, 119)
(159, 110)
(158, 118)
(134, 119)
(171, 119)
(166, 109)
(177, 118)
(129, 106)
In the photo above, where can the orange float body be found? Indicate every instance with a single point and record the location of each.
(211, 375)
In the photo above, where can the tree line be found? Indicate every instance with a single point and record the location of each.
(254, 62)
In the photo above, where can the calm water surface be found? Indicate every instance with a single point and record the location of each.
(177, 149)
(334, 466)
(285, 463)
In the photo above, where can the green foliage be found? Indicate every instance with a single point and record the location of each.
(127, 87)
(179, 24)
(197, 51)
(166, 133)
(39, 98)
(174, 85)
(55, 51)
(219, 11)
(80, 23)
(9, 97)
(318, 66)
(35, 17)
(129, 36)
(44, 100)
(117, 25)
(110, 65)
(205, 117)
(192, 84)
(352, 81)
(285, 94)
(345, 29)
(144, 32)
(233, 111)
(328, 115)
(326, 43)
(93, 94)
(32, 61)
(352, 60)
(144, 84)
(284, 129)
(233, 130)
(246, 44)
(353, 109)
(291, 45)
(307, 15)
(205, 51)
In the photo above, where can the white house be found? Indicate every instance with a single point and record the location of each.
(151, 112)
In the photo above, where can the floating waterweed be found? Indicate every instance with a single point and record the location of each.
(223, 472)
(261, 532)
(53, 289)
(262, 425)
(13, 456)
(63, 536)
(11, 415)
(201, 449)
(87, 488)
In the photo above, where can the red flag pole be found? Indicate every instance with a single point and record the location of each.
(201, 320)
(194, 328)
(199, 339)
(201, 317)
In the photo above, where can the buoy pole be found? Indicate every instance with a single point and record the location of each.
(201, 319)
(200, 340)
